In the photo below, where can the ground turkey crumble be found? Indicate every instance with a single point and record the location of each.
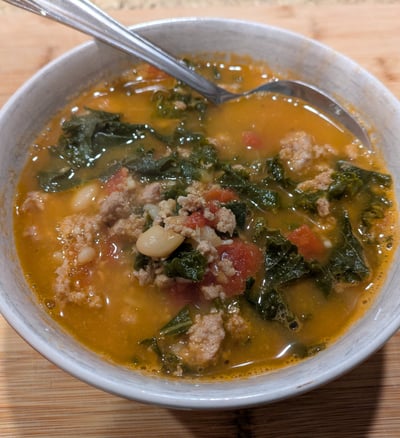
(303, 157)
(205, 338)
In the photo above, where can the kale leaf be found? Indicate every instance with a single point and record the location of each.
(170, 362)
(148, 167)
(283, 263)
(271, 306)
(239, 209)
(276, 173)
(239, 181)
(347, 262)
(167, 335)
(57, 180)
(376, 207)
(85, 137)
(348, 180)
(186, 262)
(179, 324)
(84, 141)
(308, 200)
(178, 102)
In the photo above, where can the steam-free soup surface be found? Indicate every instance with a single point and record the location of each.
(185, 239)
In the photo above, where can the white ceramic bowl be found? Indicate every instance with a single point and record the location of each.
(23, 117)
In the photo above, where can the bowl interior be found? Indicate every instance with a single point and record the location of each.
(33, 105)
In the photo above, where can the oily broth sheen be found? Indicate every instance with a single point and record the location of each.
(130, 314)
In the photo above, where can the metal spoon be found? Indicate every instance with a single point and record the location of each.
(89, 19)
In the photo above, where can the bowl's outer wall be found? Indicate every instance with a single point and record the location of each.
(25, 115)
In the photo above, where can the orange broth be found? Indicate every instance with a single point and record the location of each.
(104, 306)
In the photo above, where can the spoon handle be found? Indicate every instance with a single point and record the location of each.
(89, 19)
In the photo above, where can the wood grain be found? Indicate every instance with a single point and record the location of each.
(38, 399)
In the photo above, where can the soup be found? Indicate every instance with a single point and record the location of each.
(179, 238)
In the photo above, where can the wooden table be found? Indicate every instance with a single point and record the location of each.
(38, 399)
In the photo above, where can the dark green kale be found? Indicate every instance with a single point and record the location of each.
(257, 194)
(258, 230)
(283, 263)
(148, 167)
(178, 188)
(344, 183)
(57, 180)
(276, 173)
(308, 200)
(186, 262)
(170, 362)
(349, 181)
(271, 306)
(239, 209)
(367, 176)
(167, 335)
(179, 324)
(176, 166)
(347, 262)
(86, 137)
(84, 141)
(179, 101)
(376, 208)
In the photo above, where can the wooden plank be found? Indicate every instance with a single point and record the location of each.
(38, 399)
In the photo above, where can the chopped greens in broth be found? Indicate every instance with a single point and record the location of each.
(184, 239)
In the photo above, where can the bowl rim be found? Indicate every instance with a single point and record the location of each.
(190, 397)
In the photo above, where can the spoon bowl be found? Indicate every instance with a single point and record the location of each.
(88, 18)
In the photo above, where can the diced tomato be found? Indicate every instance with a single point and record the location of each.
(309, 245)
(246, 258)
(213, 206)
(116, 181)
(252, 139)
(221, 195)
(196, 220)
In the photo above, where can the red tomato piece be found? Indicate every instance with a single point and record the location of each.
(196, 220)
(309, 245)
(246, 258)
(115, 182)
(252, 140)
(221, 195)
(213, 206)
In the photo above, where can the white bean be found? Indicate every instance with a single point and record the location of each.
(157, 242)
(86, 255)
(84, 196)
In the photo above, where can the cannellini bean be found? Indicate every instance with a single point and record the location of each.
(84, 196)
(86, 255)
(157, 242)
